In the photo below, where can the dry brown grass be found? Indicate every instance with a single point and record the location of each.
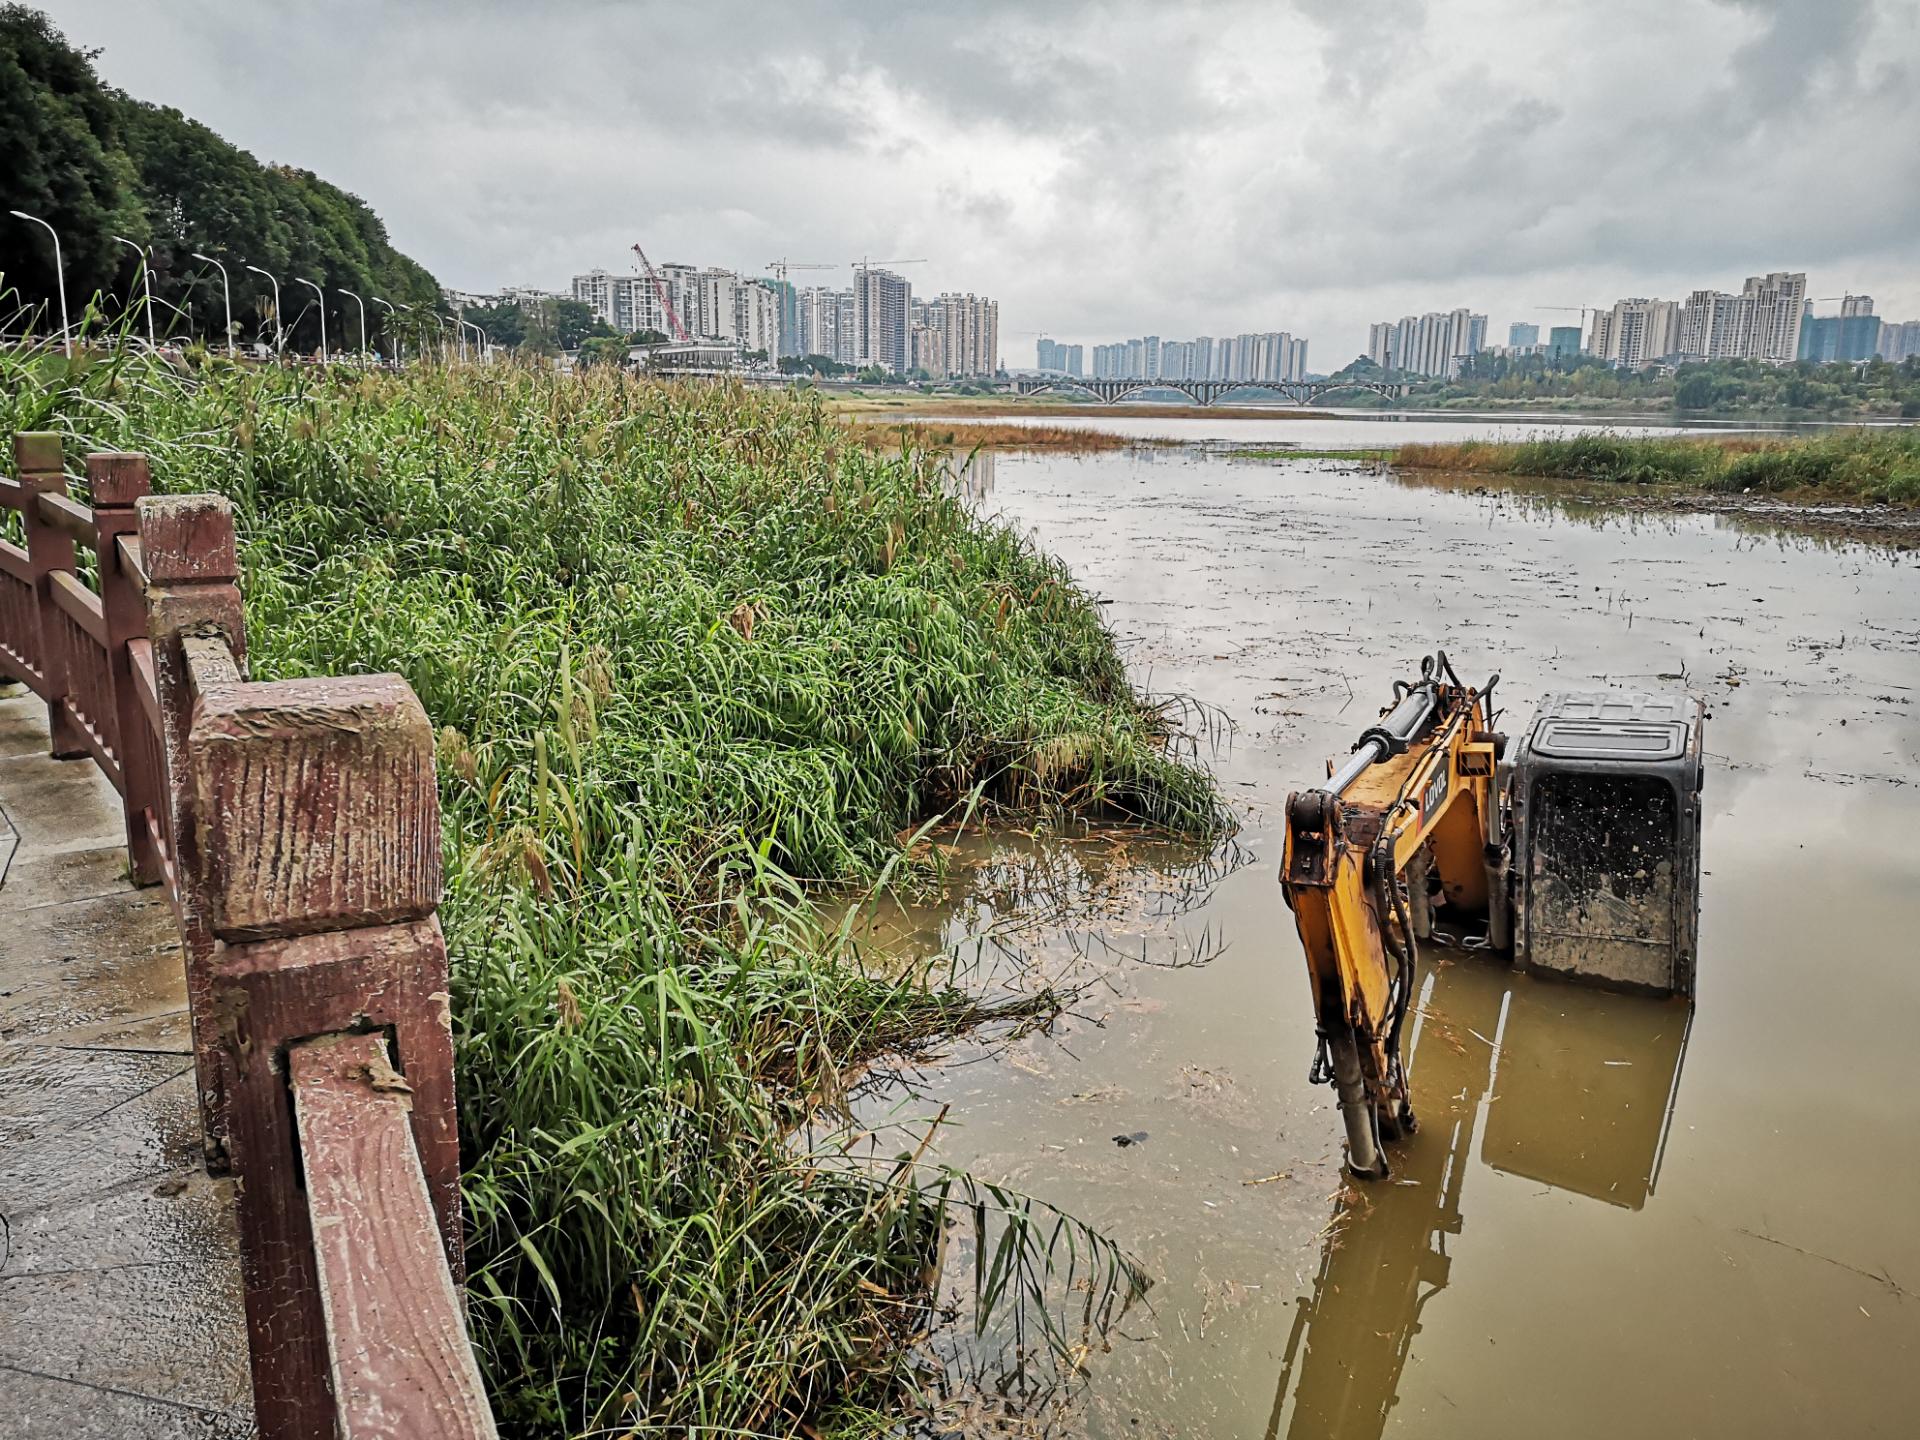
(1509, 458)
(934, 434)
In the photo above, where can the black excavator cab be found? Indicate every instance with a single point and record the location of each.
(1604, 790)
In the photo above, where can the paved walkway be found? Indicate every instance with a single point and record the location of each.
(120, 1300)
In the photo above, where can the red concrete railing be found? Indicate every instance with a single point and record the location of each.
(296, 827)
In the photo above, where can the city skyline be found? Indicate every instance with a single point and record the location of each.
(877, 320)
(1432, 159)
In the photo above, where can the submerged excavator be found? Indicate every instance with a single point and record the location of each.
(1574, 851)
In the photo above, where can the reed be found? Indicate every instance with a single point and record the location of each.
(1873, 465)
(694, 655)
(936, 434)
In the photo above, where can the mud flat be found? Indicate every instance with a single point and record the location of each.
(1615, 1219)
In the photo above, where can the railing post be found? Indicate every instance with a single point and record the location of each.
(117, 483)
(42, 471)
(316, 861)
(187, 544)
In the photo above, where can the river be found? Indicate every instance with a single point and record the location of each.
(1617, 1218)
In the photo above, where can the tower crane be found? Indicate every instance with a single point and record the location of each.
(680, 331)
(1582, 310)
(781, 267)
(864, 264)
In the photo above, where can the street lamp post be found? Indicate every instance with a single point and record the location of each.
(479, 338)
(321, 296)
(146, 276)
(393, 328)
(59, 277)
(279, 330)
(363, 324)
(226, 296)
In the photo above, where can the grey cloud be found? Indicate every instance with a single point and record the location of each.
(1103, 168)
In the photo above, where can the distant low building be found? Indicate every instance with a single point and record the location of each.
(1563, 342)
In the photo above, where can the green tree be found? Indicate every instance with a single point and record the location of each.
(96, 163)
(64, 163)
(574, 323)
(603, 350)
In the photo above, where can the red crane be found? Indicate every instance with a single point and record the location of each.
(680, 331)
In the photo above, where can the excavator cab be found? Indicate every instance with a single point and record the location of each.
(1577, 856)
(1604, 794)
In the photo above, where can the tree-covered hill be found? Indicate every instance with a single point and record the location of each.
(96, 163)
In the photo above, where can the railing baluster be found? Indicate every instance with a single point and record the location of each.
(192, 565)
(37, 458)
(118, 482)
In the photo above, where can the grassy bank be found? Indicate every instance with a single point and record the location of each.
(938, 435)
(691, 653)
(1869, 466)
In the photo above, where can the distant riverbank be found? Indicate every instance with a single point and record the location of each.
(986, 407)
(1875, 466)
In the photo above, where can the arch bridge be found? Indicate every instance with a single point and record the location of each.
(1206, 392)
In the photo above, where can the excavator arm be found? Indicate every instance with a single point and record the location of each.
(1410, 820)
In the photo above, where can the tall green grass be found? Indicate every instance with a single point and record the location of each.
(694, 652)
(1873, 465)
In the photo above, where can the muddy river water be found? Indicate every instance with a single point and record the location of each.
(1616, 1218)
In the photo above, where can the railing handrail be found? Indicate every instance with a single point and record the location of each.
(309, 930)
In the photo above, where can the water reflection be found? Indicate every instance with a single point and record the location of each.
(1583, 1107)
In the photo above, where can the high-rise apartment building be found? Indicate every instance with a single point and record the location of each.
(1762, 322)
(1852, 335)
(600, 293)
(1715, 326)
(1637, 332)
(756, 318)
(881, 304)
(1779, 301)
(1520, 335)
(1436, 343)
(818, 323)
(1067, 359)
(1269, 355)
(1899, 340)
(716, 306)
(969, 331)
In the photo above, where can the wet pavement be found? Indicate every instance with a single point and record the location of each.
(1616, 1218)
(120, 1298)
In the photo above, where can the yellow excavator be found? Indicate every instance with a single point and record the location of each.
(1575, 851)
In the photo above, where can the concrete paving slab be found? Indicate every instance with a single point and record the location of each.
(120, 1295)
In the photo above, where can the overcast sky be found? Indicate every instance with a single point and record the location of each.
(1103, 170)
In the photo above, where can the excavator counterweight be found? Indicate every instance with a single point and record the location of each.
(1581, 858)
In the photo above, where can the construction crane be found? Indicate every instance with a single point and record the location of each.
(1580, 852)
(1582, 310)
(863, 265)
(781, 267)
(680, 331)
